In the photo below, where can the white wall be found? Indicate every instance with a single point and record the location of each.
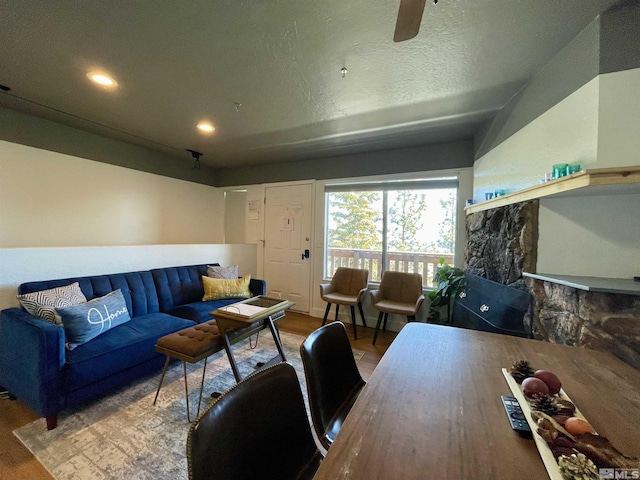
(596, 236)
(21, 265)
(51, 199)
(235, 204)
(255, 222)
(63, 216)
(566, 133)
(597, 126)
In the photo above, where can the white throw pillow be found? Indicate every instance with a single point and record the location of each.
(225, 273)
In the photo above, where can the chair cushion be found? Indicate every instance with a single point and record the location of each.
(350, 281)
(401, 287)
(341, 298)
(399, 308)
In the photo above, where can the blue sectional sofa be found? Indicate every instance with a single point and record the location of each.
(37, 368)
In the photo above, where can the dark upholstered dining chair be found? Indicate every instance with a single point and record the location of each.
(399, 293)
(348, 287)
(333, 379)
(257, 429)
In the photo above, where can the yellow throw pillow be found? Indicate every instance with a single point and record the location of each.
(217, 288)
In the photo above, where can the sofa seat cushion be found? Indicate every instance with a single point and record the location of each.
(119, 349)
(200, 312)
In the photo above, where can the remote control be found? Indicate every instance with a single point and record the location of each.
(516, 416)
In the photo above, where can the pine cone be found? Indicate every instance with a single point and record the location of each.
(521, 370)
(577, 467)
(545, 403)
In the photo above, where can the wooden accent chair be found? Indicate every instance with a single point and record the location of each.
(333, 379)
(399, 293)
(257, 429)
(348, 287)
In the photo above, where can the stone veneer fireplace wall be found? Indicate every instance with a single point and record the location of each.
(502, 244)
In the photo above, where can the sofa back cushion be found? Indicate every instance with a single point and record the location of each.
(138, 289)
(179, 285)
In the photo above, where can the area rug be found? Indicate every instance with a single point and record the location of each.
(124, 436)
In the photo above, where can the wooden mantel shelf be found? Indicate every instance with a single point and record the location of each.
(598, 181)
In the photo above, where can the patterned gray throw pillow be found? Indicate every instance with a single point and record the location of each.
(42, 304)
(225, 273)
(88, 320)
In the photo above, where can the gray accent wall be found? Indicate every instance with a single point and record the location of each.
(610, 43)
(17, 127)
(416, 159)
(620, 39)
(20, 128)
(569, 70)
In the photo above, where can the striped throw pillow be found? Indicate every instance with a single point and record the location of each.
(43, 304)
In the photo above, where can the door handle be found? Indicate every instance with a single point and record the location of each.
(305, 254)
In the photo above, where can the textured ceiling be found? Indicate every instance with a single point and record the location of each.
(178, 62)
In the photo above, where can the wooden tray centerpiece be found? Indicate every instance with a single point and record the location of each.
(574, 452)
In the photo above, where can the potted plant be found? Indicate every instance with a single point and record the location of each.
(449, 281)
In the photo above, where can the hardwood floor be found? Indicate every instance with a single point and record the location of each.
(303, 325)
(17, 463)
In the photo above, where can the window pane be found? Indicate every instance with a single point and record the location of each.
(420, 230)
(354, 232)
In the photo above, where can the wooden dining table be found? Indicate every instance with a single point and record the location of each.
(432, 407)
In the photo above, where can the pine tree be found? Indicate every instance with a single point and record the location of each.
(406, 218)
(357, 221)
(446, 241)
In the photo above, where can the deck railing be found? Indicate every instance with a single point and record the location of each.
(412, 262)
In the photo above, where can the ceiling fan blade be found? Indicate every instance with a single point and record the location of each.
(409, 18)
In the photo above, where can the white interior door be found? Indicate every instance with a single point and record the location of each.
(287, 270)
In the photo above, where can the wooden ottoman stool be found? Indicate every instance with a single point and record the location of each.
(190, 345)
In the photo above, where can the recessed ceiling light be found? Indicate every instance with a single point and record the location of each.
(102, 79)
(206, 127)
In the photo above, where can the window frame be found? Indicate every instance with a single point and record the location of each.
(449, 179)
